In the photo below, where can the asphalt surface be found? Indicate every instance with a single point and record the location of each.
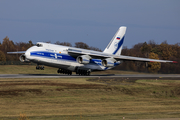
(175, 76)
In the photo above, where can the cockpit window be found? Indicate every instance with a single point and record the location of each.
(39, 45)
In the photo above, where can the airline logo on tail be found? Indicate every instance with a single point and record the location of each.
(115, 45)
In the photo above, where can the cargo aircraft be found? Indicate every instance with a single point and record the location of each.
(81, 61)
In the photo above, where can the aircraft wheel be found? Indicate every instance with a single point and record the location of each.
(70, 73)
(37, 67)
(42, 68)
(88, 73)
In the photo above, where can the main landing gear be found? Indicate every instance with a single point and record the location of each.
(38, 67)
(64, 71)
(78, 71)
(83, 72)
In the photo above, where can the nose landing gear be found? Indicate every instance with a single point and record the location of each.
(38, 67)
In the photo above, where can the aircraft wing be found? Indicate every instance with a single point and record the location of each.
(129, 58)
(75, 52)
(19, 52)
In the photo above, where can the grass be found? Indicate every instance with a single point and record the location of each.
(30, 69)
(25, 69)
(88, 99)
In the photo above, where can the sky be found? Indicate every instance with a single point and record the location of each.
(93, 22)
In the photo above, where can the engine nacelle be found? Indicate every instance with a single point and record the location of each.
(84, 59)
(109, 62)
(22, 58)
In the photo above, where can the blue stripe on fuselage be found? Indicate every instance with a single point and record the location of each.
(52, 55)
(96, 61)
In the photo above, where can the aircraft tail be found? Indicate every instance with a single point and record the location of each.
(116, 43)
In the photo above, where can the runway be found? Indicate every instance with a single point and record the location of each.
(177, 76)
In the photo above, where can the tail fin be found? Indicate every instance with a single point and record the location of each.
(115, 46)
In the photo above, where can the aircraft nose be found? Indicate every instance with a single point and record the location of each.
(27, 53)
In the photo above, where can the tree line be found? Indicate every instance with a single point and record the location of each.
(151, 49)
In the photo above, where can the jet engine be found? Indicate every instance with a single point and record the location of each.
(109, 62)
(22, 58)
(84, 59)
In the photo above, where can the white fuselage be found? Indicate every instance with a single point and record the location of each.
(57, 56)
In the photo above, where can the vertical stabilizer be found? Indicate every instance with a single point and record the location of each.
(116, 43)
